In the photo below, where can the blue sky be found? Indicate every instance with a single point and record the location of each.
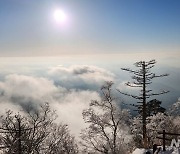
(107, 34)
(119, 26)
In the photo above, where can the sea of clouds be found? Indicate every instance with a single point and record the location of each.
(68, 89)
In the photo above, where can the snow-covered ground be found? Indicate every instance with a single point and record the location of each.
(139, 151)
(168, 151)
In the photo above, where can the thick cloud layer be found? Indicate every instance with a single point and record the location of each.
(71, 106)
(69, 90)
(20, 92)
(21, 89)
(80, 76)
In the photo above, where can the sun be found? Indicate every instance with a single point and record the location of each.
(60, 16)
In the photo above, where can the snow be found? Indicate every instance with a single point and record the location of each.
(168, 151)
(171, 151)
(139, 151)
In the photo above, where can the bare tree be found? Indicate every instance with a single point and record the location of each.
(31, 133)
(60, 141)
(142, 78)
(40, 122)
(12, 133)
(107, 125)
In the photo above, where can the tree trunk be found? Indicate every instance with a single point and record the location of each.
(144, 106)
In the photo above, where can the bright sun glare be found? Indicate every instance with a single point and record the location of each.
(60, 16)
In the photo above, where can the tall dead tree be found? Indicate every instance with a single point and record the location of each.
(142, 77)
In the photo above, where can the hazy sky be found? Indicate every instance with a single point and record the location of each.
(27, 27)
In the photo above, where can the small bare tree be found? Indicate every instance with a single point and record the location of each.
(142, 78)
(35, 132)
(106, 125)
